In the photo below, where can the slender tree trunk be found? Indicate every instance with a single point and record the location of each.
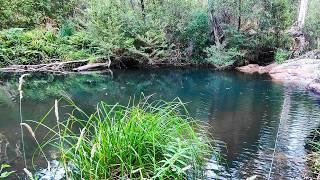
(213, 26)
(210, 17)
(302, 13)
(216, 31)
(143, 9)
(300, 39)
(296, 30)
(132, 3)
(239, 15)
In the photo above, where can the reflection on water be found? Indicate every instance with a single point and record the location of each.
(244, 111)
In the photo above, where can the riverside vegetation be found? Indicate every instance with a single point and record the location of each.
(221, 33)
(313, 145)
(144, 140)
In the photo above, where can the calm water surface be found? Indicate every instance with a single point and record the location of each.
(244, 111)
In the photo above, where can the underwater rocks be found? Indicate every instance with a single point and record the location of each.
(55, 172)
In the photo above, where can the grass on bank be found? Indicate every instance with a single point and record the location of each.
(146, 140)
(314, 157)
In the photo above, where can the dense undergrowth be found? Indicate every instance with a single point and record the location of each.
(145, 140)
(20, 46)
(222, 33)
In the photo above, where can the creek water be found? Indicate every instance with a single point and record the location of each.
(243, 110)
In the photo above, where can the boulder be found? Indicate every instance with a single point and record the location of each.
(314, 86)
(255, 68)
(303, 70)
(251, 68)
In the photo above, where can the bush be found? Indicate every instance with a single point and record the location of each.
(20, 46)
(312, 26)
(30, 13)
(222, 57)
(146, 140)
(121, 26)
(281, 55)
(196, 32)
(66, 29)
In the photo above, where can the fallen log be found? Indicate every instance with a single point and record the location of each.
(51, 67)
(91, 67)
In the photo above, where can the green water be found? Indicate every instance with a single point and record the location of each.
(244, 111)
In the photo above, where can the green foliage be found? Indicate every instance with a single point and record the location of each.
(144, 140)
(314, 157)
(159, 31)
(19, 46)
(196, 31)
(312, 25)
(120, 25)
(281, 55)
(5, 174)
(28, 13)
(66, 29)
(222, 57)
(278, 15)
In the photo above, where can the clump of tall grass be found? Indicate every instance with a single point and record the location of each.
(145, 140)
(314, 156)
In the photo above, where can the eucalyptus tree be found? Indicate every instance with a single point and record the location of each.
(312, 24)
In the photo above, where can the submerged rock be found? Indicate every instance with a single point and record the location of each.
(55, 172)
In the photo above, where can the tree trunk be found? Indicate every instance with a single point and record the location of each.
(239, 15)
(213, 27)
(210, 22)
(296, 30)
(142, 9)
(132, 4)
(302, 13)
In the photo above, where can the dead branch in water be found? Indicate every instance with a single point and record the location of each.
(50, 67)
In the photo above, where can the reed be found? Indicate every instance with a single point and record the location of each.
(20, 89)
(314, 157)
(145, 140)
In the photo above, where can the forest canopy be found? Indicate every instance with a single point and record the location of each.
(223, 33)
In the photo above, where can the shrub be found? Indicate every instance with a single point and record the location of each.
(146, 140)
(66, 29)
(30, 13)
(222, 57)
(281, 55)
(312, 26)
(20, 46)
(196, 31)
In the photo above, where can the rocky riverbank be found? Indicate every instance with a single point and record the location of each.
(304, 71)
